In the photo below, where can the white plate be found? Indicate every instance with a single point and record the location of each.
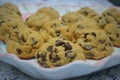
(74, 69)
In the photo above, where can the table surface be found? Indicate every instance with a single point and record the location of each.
(9, 72)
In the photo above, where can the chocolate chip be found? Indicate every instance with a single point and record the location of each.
(94, 34)
(85, 35)
(50, 49)
(111, 39)
(43, 57)
(53, 57)
(57, 33)
(102, 41)
(43, 64)
(85, 13)
(14, 27)
(79, 26)
(59, 42)
(69, 54)
(23, 39)
(1, 22)
(38, 54)
(88, 47)
(57, 65)
(67, 46)
(117, 34)
(90, 54)
(34, 42)
(19, 51)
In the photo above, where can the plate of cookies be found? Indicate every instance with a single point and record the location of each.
(47, 45)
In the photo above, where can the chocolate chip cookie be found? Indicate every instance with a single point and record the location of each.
(58, 52)
(95, 43)
(23, 41)
(51, 12)
(113, 31)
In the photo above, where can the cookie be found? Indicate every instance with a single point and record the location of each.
(58, 52)
(87, 12)
(57, 29)
(112, 15)
(36, 21)
(6, 24)
(100, 19)
(51, 12)
(113, 31)
(95, 43)
(71, 17)
(23, 42)
(6, 13)
(12, 7)
(86, 23)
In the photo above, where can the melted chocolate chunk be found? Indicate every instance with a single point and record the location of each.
(94, 34)
(88, 47)
(23, 39)
(90, 54)
(38, 55)
(1, 22)
(55, 50)
(102, 41)
(85, 13)
(111, 39)
(50, 49)
(117, 34)
(79, 26)
(85, 35)
(57, 65)
(59, 42)
(43, 57)
(14, 27)
(19, 51)
(58, 33)
(53, 57)
(67, 46)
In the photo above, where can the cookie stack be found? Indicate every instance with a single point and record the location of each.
(56, 41)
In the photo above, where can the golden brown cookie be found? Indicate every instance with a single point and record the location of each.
(36, 21)
(6, 24)
(95, 43)
(23, 41)
(71, 17)
(12, 7)
(58, 52)
(87, 12)
(113, 31)
(112, 15)
(51, 12)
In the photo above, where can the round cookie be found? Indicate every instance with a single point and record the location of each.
(95, 43)
(6, 13)
(58, 52)
(87, 12)
(23, 41)
(113, 31)
(57, 29)
(51, 12)
(71, 17)
(36, 21)
(12, 7)
(86, 23)
(100, 19)
(112, 15)
(6, 24)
